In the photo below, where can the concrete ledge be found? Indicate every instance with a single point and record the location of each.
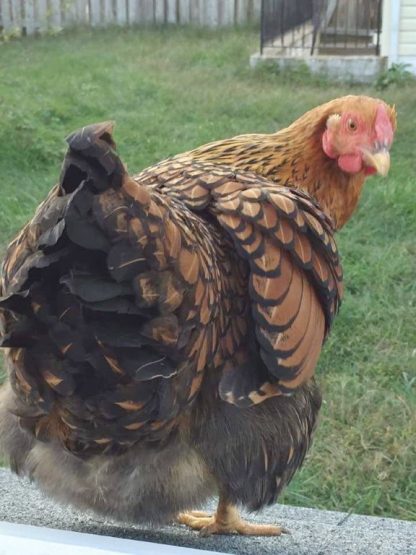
(355, 69)
(312, 532)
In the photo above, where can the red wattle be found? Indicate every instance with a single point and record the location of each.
(383, 126)
(350, 163)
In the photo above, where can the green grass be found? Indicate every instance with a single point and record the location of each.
(170, 90)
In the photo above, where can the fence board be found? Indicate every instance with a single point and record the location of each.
(184, 11)
(82, 11)
(255, 10)
(29, 24)
(121, 12)
(69, 13)
(242, 9)
(160, 13)
(196, 11)
(55, 14)
(16, 15)
(171, 15)
(226, 13)
(6, 15)
(42, 15)
(147, 13)
(108, 12)
(210, 13)
(133, 11)
(95, 12)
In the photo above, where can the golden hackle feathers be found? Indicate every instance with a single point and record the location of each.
(294, 157)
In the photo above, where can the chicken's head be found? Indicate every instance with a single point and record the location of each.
(359, 135)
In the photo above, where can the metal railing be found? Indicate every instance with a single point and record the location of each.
(307, 27)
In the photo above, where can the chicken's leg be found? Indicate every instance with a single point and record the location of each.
(227, 521)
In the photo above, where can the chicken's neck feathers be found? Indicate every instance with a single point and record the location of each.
(292, 157)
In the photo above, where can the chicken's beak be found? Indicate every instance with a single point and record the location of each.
(378, 159)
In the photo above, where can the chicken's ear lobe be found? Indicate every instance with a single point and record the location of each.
(332, 125)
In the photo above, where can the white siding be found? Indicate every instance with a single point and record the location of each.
(408, 24)
(398, 40)
(407, 32)
(408, 11)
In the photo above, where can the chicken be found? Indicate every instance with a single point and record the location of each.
(161, 331)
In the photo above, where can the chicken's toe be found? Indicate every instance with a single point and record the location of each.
(197, 520)
(242, 527)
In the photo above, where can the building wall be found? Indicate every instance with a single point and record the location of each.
(398, 41)
(407, 32)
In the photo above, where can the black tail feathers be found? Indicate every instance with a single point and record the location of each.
(92, 157)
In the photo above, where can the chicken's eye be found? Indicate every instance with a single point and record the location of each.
(352, 125)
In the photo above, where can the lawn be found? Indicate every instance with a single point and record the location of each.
(169, 90)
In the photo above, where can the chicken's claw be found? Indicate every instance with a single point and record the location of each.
(229, 523)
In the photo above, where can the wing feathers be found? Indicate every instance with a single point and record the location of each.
(295, 282)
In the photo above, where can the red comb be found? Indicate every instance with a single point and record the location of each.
(383, 126)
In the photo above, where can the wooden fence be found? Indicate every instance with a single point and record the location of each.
(28, 17)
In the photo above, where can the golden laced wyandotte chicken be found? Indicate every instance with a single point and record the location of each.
(161, 331)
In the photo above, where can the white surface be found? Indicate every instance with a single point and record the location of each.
(19, 539)
(398, 37)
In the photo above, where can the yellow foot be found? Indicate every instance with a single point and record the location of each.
(232, 524)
